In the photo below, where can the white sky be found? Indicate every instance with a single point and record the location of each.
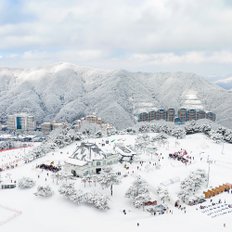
(138, 35)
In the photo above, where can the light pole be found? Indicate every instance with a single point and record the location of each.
(222, 148)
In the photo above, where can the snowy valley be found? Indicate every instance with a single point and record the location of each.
(161, 175)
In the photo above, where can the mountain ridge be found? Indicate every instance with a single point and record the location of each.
(67, 92)
(225, 83)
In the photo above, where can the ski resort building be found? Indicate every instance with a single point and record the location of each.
(125, 153)
(191, 108)
(170, 114)
(191, 114)
(93, 119)
(22, 121)
(211, 116)
(143, 116)
(181, 116)
(88, 159)
(160, 114)
(47, 127)
(151, 115)
(201, 114)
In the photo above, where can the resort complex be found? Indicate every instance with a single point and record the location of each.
(179, 116)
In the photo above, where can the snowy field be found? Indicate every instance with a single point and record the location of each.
(58, 214)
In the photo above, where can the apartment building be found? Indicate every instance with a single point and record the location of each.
(21, 121)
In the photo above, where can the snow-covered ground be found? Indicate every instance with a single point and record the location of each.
(58, 214)
(15, 156)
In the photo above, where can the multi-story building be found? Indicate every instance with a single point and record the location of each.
(160, 114)
(143, 117)
(11, 122)
(21, 121)
(30, 123)
(92, 118)
(151, 115)
(191, 114)
(47, 127)
(182, 114)
(170, 115)
(211, 116)
(201, 114)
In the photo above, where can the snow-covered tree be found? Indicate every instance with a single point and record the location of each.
(138, 192)
(216, 136)
(71, 193)
(178, 132)
(26, 183)
(159, 137)
(101, 202)
(163, 194)
(228, 136)
(190, 185)
(141, 142)
(77, 197)
(67, 189)
(107, 179)
(58, 138)
(139, 200)
(98, 200)
(90, 129)
(44, 191)
(7, 144)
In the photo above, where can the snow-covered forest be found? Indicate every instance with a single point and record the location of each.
(66, 92)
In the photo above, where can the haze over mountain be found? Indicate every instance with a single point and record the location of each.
(67, 92)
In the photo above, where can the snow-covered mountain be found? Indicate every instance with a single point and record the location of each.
(67, 92)
(225, 83)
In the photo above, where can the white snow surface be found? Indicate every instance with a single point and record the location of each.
(191, 100)
(68, 92)
(58, 214)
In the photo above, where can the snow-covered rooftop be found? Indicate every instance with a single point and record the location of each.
(75, 162)
(88, 152)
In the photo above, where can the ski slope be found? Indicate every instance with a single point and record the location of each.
(58, 214)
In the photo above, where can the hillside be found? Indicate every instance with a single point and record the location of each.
(67, 92)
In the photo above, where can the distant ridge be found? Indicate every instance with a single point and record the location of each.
(225, 83)
(67, 92)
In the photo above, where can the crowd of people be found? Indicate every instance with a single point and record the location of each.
(49, 167)
(215, 209)
(182, 156)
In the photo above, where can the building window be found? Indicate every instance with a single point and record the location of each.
(98, 163)
(86, 173)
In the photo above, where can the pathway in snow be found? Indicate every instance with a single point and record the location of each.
(7, 214)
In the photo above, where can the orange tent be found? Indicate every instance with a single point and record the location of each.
(217, 190)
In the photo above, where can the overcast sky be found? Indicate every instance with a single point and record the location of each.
(138, 35)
